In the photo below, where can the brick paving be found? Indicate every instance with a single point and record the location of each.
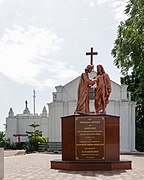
(36, 166)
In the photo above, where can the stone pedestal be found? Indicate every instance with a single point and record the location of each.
(90, 142)
(1, 163)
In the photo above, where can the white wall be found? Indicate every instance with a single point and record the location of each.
(115, 93)
(1, 163)
(19, 124)
(11, 127)
(56, 110)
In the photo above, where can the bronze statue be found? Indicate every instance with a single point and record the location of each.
(83, 92)
(102, 90)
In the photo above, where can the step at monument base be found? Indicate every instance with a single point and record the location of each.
(90, 165)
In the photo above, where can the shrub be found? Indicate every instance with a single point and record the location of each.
(32, 145)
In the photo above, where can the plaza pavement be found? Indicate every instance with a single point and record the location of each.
(36, 166)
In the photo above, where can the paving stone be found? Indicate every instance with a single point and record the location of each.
(36, 166)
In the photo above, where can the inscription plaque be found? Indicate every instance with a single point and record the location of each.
(89, 138)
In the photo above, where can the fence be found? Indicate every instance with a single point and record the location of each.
(55, 147)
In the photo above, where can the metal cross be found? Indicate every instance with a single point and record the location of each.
(91, 54)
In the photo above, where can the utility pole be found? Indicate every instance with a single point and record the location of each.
(34, 96)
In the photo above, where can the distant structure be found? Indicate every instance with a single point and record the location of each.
(34, 96)
(17, 125)
(26, 110)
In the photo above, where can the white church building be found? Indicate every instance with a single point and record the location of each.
(120, 104)
(17, 125)
(63, 104)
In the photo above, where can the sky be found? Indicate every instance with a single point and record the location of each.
(43, 44)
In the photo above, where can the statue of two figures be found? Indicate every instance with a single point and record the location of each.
(101, 92)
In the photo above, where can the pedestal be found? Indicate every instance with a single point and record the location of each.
(90, 142)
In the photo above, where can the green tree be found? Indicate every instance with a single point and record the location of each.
(35, 132)
(2, 139)
(35, 137)
(140, 139)
(128, 52)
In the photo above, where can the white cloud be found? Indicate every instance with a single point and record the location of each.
(118, 6)
(91, 3)
(103, 1)
(24, 56)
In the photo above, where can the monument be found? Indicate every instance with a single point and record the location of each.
(90, 141)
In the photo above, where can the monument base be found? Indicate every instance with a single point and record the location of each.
(89, 143)
(90, 165)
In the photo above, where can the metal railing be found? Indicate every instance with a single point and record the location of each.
(55, 147)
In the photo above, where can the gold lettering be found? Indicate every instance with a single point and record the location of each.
(90, 144)
(89, 148)
(87, 128)
(89, 131)
(89, 141)
(90, 157)
(90, 151)
(85, 122)
(89, 122)
(89, 138)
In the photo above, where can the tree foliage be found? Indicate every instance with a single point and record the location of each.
(140, 139)
(128, 51)
(35, 132)
(2, 139)
(35, 137)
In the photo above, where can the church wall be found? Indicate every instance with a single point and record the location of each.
(44, 126)
(69, 107)
(24, 122)
(133, 129)
(115, 93)
(113, 108)
(129, 125)
(69, 92)
(126, 111)
(132, 125)
(19, 124)
(124, 126)
(66, 108)
(51, 123)
(56, 110)
(11, 128)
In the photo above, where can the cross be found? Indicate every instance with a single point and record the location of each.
(91, 54)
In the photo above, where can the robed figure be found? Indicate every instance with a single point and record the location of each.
(83, 92)
(102, 90)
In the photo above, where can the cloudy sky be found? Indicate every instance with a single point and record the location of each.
(43, 44)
